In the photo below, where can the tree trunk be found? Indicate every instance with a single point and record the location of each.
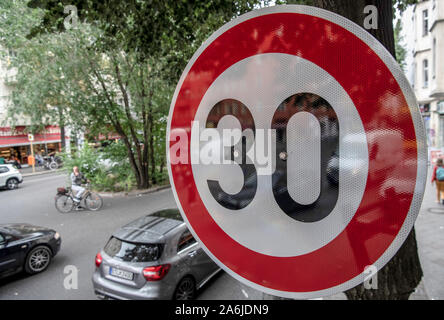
(162, 165)
(151, 150)
(399, 278)
(62, 136)
(144, 180)
(62, 128)
(354, 11)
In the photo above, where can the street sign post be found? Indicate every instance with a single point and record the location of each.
(296, 149)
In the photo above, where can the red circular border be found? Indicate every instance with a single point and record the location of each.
(381, 106)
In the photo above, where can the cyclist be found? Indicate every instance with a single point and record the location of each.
(77, 178)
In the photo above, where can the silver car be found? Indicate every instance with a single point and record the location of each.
(10, 177)
(153, 257)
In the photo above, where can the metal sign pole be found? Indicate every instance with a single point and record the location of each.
(31, 139)
(33, 158)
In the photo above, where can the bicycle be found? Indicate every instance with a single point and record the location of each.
(52, 163)
(64, 200)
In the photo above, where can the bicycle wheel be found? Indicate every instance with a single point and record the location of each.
(93, 201)
(63, 203)
(53, 166)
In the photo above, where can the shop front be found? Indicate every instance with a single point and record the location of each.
(14, 144)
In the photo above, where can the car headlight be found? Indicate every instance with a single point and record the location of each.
(56, 236)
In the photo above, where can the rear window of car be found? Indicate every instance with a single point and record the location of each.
(133, 252)
(168, 214)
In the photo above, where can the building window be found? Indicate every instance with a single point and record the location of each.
(441, 129)
(12, 55)
(425, 108)
(414, 75)
(434, 59)
(440, 107)
(425, 72)
(425, 23)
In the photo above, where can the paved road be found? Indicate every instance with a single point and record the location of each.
(83, 235)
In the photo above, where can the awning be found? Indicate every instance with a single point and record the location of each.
(22, 140)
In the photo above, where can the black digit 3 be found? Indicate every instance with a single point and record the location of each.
(243, 198)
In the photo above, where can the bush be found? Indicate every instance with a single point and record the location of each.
(87, 159)
(107, 168)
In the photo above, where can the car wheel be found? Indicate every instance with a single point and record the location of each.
(12, 184)
(38, 260)
(185, 290)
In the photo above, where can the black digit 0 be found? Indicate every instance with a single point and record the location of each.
(329, 184)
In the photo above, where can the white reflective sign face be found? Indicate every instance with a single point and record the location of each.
(296, 151)
(272, 78)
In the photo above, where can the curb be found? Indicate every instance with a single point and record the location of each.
(24, 175)
(132, 193)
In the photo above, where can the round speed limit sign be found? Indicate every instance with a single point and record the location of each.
(296, 151)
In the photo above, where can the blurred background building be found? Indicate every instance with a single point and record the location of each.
(423, 31)
(14, 139)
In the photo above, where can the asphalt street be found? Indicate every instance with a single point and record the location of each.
(83, 234)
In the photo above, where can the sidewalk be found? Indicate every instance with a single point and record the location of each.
(27, 171)
(429, 228)
(132, 193)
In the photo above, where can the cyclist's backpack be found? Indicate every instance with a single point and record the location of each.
(440, 174)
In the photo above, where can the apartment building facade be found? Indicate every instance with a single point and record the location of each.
(427, 74)
(14, 141)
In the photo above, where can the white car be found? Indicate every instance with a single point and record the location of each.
(10, 177)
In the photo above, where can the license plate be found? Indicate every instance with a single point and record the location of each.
(121, 273)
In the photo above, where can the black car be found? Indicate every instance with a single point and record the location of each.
(26, 247)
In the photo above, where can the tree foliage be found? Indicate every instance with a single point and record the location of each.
(401, 52)
(172, 30)
(112, 70)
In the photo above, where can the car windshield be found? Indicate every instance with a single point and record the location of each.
(133, 252)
